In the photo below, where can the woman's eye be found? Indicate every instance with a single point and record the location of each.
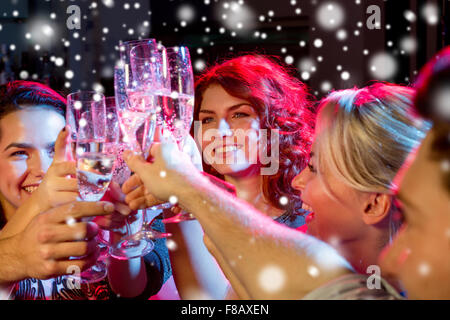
(240, 115)
(19, 154)
(311, 168)
(51, 152)
(207, 120)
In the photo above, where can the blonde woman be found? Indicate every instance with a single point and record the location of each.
(363, 137)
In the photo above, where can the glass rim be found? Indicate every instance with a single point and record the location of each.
(159, 50)
(137, 41)
(87, 93)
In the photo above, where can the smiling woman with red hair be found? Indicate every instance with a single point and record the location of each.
(268, 98)
(236, 103)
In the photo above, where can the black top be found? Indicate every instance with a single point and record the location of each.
(158, 271)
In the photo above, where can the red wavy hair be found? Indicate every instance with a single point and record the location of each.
(282, 103)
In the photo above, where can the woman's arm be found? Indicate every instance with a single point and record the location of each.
(153, 270)
(139, 277)
(127, 278)
(195, 271)
(268, 260)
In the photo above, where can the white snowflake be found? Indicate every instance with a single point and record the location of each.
(441, 102)
(383, 66)
(430, 12)
(272, 278)
(330, 16)
(318, 43)
(408, 44)
(345, 75)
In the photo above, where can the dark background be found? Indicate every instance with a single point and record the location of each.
(287, 29)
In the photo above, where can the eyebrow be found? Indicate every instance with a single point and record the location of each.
(233, 107)
(21, 145)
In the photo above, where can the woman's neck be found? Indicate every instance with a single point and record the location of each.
(363, 252)
(249, 188)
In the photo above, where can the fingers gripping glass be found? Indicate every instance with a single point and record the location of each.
(131, 245)
(177, 108)
(86, 116)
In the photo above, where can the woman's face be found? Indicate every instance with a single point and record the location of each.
(336, 213)
(26, 151)
(229, 132)
(419, 256)
(336, 208)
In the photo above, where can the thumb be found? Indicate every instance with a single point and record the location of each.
(60, 145)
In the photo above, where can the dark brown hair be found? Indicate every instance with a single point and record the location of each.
(435, 76)
(19, 95)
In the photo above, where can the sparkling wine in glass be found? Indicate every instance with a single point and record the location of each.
(94, 173)
(178, 106)
(130, 245)
(86, 116)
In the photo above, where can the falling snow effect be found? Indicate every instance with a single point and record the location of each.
(430, 12)
(223, 20)
(272, 279)
(383, 66)
(441, 103)
(330, 16)
(424, 269)
(237, 17)
(171, 245)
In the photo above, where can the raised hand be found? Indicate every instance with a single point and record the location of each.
(155, 182)
(59, 185)
(122, 211)
(43, 248)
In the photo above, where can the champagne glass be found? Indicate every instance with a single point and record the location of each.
(129, 246)
(152, 86)
(134, 107)
(178, 105)
(87, 119)
(147, 64)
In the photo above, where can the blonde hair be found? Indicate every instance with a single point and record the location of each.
(368, 135)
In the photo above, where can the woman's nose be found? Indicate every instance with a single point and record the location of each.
(298, 183)
(39, 165)
(224, 128)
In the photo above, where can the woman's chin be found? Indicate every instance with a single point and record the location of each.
(24, 196)
(237, 170)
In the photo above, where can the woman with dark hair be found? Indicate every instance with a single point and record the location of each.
(419, 256)
(34, 179)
